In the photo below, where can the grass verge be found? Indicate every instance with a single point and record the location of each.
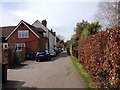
(84, 75)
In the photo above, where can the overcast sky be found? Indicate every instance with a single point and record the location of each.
(61, 16)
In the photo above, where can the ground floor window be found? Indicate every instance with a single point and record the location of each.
(5, 45)
(19, 46)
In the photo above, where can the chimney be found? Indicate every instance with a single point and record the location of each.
(51, 30)
(54, 33)
(44, 22)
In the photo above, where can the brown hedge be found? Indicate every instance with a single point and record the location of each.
(100, 57)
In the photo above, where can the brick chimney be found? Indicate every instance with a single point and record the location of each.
(51, 30)
(54, 33)
(44, 22)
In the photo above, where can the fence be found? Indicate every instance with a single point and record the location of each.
(100, 57)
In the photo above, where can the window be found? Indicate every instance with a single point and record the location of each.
(19, 46)
(5, 45)
(23, 34)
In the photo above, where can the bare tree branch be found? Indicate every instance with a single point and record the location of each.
(108, 14)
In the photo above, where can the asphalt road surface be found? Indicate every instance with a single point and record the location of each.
(57, 73)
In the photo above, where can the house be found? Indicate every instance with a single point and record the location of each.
(49, 33)
(4, 33)
(27, 39)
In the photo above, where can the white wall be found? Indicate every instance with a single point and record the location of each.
(40, 25)
(49, 35)
(51, 41)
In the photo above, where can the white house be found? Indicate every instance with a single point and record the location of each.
(49, 33)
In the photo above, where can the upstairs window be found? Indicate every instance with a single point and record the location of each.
(23, 34)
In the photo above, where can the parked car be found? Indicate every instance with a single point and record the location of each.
(52, 53)
(58, 50)
(43, 55)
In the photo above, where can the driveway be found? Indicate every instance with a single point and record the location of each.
(57, 73)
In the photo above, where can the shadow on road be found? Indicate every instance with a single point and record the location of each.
(18, 66)
(13, 84)
(16, 85)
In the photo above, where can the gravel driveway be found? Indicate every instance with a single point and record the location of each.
(57, 73)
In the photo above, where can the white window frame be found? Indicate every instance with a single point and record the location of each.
(19, 46)
(23, 34)
(5, 44)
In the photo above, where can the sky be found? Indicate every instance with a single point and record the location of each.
(61, 16)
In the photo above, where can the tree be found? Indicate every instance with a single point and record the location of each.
(79, 29)
(67, 44)
(108, 14)
(70, 42)
(85, 29)
(60, 37)
(95, 27)
(60, 41)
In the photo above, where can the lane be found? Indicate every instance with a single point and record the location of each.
(57, 73)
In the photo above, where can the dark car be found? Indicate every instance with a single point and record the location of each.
(42, 55)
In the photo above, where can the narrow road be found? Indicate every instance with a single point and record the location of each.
(57, 73)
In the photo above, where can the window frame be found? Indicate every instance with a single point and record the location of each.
(19, 46)
(5, 45)
(23, 33)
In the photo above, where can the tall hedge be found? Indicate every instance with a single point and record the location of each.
(100, 57)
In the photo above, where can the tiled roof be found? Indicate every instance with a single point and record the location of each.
(6, 30)
(40, 30)
(36, 30)
(40, 23)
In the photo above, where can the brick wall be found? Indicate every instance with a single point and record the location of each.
(100, 57)
(42, 43)
(32, 44)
